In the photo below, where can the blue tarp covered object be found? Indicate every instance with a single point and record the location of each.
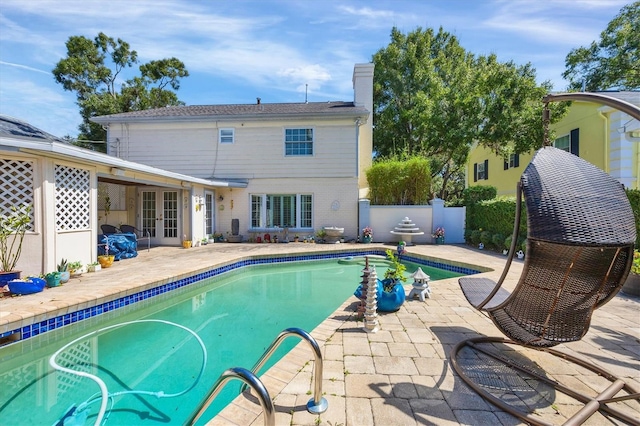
(122, 246)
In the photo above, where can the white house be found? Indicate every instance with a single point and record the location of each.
(298, 166)
(63, 184)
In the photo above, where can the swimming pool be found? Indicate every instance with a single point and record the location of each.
(228, 313)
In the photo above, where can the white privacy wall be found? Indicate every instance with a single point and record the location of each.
(384, 219)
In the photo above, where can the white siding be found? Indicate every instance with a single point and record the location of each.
(257, 152)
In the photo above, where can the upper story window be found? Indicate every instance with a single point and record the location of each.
(570, 142)
(298, 142)
(481, 171)
(226, 135)
(512, 162)
(563, 143)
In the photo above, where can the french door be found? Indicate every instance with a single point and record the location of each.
(160, 216)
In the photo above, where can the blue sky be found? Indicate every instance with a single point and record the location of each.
(239, 50)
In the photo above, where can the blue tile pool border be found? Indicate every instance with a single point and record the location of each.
(51, 324)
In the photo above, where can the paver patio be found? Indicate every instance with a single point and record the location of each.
(397, 376)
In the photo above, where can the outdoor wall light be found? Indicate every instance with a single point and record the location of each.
(220, 198)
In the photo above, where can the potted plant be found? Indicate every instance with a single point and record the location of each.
(186, 243)
(93, 267)
(367, 234)
(63, 268)
(632, 284)
(106, 259)
(438, 235)
(27, 285)
(75, 268)
(13, 226)
(296, 238)
(321, 235)
(53, 279)
(390, 291)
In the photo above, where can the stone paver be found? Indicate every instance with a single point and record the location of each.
(400, 375)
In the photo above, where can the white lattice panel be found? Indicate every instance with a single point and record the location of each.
(72, 198)
(117, 196)
(17, 185)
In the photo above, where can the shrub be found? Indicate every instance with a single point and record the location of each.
(400, 182)
(475, 236)
(485, 238)
(475, 194)
(634, 199)
(498, 241)
(507, 242)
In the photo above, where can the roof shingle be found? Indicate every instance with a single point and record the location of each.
(265, 110)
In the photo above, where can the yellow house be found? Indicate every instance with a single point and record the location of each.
(602, 135)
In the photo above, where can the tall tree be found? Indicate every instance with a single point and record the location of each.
(433, 98)
(614, 61)
(86, 72)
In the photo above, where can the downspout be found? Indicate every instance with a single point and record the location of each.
(358, 123)
(607, 141)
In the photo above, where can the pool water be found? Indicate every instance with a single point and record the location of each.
(236, 315)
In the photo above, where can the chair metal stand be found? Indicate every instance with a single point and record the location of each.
(592, 404)
(580, 241)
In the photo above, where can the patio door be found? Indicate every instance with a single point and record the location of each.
(209, 213)
(159, 215)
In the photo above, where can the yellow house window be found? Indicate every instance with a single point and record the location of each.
(563, 143)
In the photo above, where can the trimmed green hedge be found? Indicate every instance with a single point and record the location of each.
(395, 182)
(634, 199)
(491, 222)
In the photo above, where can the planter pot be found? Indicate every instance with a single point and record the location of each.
(367, 239)
(186, 244)
(28, 286)
(439, 240)
(94, 268)
(388, 301)
(64, 276)
(53, 280)
(106, 261)
(632, 285)
(5, 277)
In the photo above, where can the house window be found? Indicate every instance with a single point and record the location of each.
(281, 210)
(570, 142)
(226, 135)
(563, 143)
(298, 142)
(512, 162)
(481, 171)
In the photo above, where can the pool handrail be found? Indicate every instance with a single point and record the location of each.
(248, 378)
(318, 404)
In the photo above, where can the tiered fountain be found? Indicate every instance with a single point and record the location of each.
(406, 229)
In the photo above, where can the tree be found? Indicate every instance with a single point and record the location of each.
(433, 98)
(614, 61)
(95, 83)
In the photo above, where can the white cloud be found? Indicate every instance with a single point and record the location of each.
(559, 23)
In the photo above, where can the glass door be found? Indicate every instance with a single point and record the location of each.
(160, 216)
